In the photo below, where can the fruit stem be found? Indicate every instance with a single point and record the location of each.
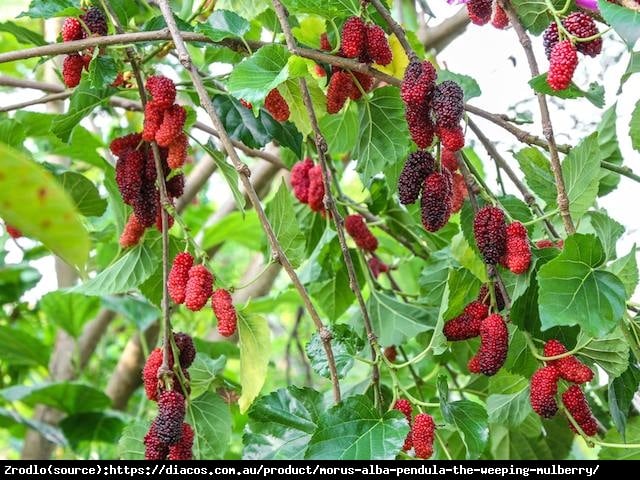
(257, 277)
(589, 441)
(443, 445)
(542, 358)
(542, 218)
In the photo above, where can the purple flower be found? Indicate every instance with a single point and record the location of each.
(588, 4)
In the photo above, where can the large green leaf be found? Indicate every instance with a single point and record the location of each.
(255, 347)
(33, 202)
(52, 8)
(341, 130)
(103, 70)
(621, 392)
(537, 173)
(608, 230)
(281, 424)
(291, 92)
(210, 419)
(626, 269)
(382, 139)
(533, 14)
(234, 228)
(84, 193)
(610, 351)
(595, 94)
(16, 279)
(574, 291)
(394, 321)
(345, 344)
(624, 21)
(70, 311)
(632, 436)
(634, 125)
(22, 34)
(130, 446)
(66, 396)
(103, 427)
(203, 372)
(285, 225)
(224, 24)
(508, 400)
(20, 348)
(609, 150)
(581, 173)
(324, 8)
(354, 430)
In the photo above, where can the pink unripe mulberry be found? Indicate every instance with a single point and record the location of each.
(171, 126)
(404, 406)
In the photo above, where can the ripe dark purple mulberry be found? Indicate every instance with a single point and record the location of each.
(448, 104)
(171, 411)
(435, 202)
(583, 26)
(416, 169)
(490, 232)
(95, 21)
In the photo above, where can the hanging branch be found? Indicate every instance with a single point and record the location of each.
(244, 173)
(325, 158)
(547, 127)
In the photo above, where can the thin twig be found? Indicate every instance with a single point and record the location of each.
(244, 172)
(547, 127)
(53, 97)
(395, 28)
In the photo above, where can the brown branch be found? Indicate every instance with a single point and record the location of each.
(547, 127)
(244, 172)
(54, 97)
(395, 28)
(439, 36)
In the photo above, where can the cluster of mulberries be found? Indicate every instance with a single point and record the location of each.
(225, 312)
(189, 284)
(92, 22)
(187, 354)
(482, 11)
(432, 110)
(358, 230)
(517, 257)
(368, 43)
(562, 53)
(467, 324)
(308, 184)
(421, 433)
(544, 387)
(277, 106)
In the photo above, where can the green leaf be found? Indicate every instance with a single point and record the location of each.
(624, 21)
(70, 311)
(16, 279)
(632, 436)
(103, 70)
(610, 351)
(20, 348)
(33, 202)
(382, 139)
(210, 419)
(469, 418)
(131, 270)
(249, 10)
(325, 8)
(633, 67)
(137, 310)
(608, 230)
(354, 430)
(468, 84)
(285, 225)
(124, 10)
(130, 446)
(634, 127)
(395, 321)
(203, 372)
(234, 228)
(581, 172)
(609, 150)
(595, 94)
(23, 35)
(533, 14)
(463, 289)
(281, 424)
(65, 396)
(508, 400)
(574, 291)
(537, 173)
(224, 24)
(341, 130)
(260, 73)
(151, 287)
(83, 101)
(345, 345)
(293, 96)
(12, 133)
(528, 443)
(84, 193)
(103, 427)
(621, 392)
(52, 8)
(255, 348)
(229, 173)
(626, 269)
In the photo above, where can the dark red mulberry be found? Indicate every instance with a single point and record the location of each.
(494, 344)
(72, 30)
(418, 83)
(448, 160)
(416, 169)
(225, 312)
(479, 11)
(365, 81)
(435, 202)
(485, 297)
(569, 368)
(377, 266)
(324, 43)
(490, 232)
(403, 405)
(340, 87)
(460, 192)
(132, 233)
(122, 145)
(95, 21)
(300, 179)
(150, 373)
(582, 25)
(72, 70)
(277, 106)
(147, 204)
(129, 176)
(185, 345)
(378, 45)
(152, 120)
(183, 450)
(178, 276)
(358, 230)
(542, 391)
(171, 411)
(576, 404)
(175, 186)
(550, 38)
(448, 104)
(562, 64)
(467, 324)
(316, 189)
(154, 448)
(199, 288)
(390, 352)
(353, 37)
(162, 90)
(422, 435)
(421, 127)
(517, 256)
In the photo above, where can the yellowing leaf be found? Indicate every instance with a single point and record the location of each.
(399, 62)
(255, 347)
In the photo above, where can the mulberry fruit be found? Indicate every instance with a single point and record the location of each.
(418, 83)
(340, 87)
(569, 368)
(225, 312)
(474, 365)
(72, 30)
(72, 70)
(459, 194)
(324, 43)
(183, 450)
(162, 90)
(451, 138)
(122, 145)
(562, 64)
(494, 344)
(378, 45)
(448, 160)
(550, 38)
(300, 179)
(353, 37)
(199, 288)
(175, 186)
(146, 205)
(365, 81)
(95, 21)
(420, 125)
(467, 324)
(390, 352)
(316, 189)
(448, 104)
(576, 404)
(154, 448)
(178, 276)
(542, 392)
(499, 20)
(485, 297)
(403, 405)
(171, 411)
(12, 231)
(152, 120)
(184, 342)
(178, 151)
(277, 106)
(132, 233)
(479, 11)
(358, 230)
(518, 252)
(422, 435)
(171, 126)
(435, 203)
(490, 233)
(582, 25)
(129, 176)
(416, 169)
(150, 374)
(377, 267)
